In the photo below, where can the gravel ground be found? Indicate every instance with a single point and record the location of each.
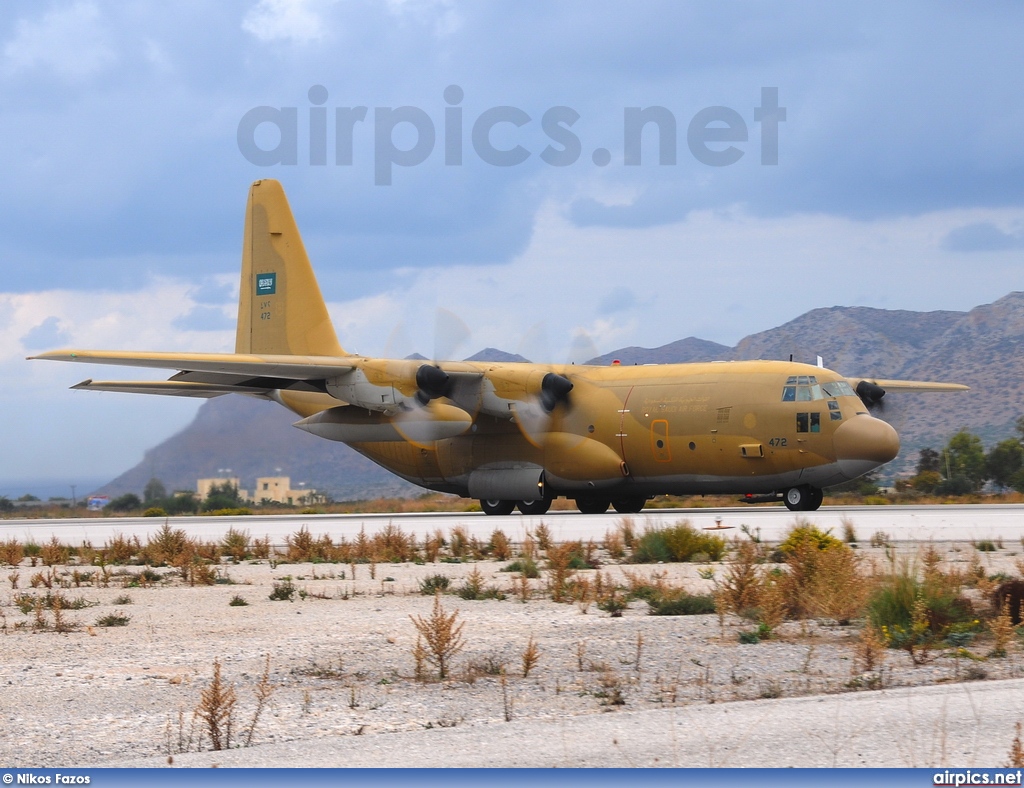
(342, 668)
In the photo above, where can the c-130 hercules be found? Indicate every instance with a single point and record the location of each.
(520, 434)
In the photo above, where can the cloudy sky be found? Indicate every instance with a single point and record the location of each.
(130, 137)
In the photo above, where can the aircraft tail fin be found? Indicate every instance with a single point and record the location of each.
(280, 308)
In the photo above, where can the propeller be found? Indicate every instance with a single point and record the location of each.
(871, 395)
(535, 414)
(432, 382)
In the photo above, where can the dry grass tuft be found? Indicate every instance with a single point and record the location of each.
(559, 568)
(442, 637)
(869, 650)
(1016, 751)
(216, 710)
(530, 656)
(11, 552)
(264, 689)
(1001, 627)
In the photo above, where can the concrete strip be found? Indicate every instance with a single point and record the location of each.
(952, 725)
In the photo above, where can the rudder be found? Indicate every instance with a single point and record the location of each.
(280, 308)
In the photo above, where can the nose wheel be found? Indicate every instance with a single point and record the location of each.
(803, 499)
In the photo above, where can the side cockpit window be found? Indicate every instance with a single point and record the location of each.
(808, 422)
(838, 388)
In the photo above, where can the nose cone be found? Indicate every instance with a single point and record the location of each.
(863, 443)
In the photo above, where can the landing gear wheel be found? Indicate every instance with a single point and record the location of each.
(534, 507)
(803, 499)
(592, 505)
(796, 499)
(630, 505)
(497, 507)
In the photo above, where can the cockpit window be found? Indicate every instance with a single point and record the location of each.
(838, 388)
(802, 392)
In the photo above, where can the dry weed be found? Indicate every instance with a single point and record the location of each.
(869, 650)
(1016, 751)
(216, 709)
(741, 587)
(442, 634)
(1001, 627)
(530, 656)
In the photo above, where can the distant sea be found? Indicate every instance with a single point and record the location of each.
(51, 488)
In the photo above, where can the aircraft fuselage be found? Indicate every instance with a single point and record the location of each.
(721, 427)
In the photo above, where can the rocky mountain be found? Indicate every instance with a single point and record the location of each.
(983, 348)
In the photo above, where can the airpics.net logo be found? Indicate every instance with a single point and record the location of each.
(711, 134)
(266, 284)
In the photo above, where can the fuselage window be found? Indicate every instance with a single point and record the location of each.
(801, 422)
(815, 422)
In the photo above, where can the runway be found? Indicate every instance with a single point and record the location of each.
(900, 523)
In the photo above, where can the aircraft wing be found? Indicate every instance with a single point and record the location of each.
(171, 388)
(918, 386)
(288, 368)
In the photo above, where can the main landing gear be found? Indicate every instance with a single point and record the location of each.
(803, 499)
(506, 507)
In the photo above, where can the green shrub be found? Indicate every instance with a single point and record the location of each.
(912, 614)
(434, 584)
(526, 566)
(113, 620)
(238, 601)
(679, 542)
(681, 604)
(154, 511)
(283, 591)
(807, 534)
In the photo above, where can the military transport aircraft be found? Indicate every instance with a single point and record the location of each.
(520, 434)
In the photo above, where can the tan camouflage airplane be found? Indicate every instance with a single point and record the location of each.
(520, 434)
